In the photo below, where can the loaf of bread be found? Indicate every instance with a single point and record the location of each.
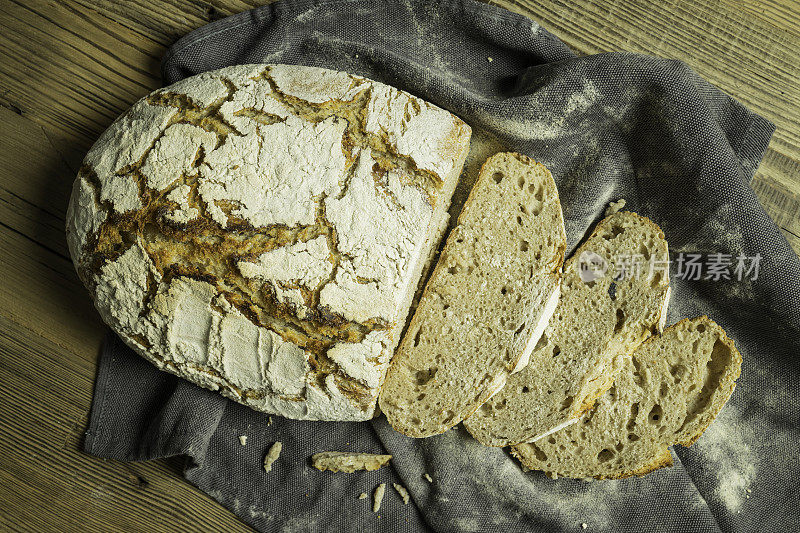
(261, 230)
(667, 393)
(486, 303)
(597, 319)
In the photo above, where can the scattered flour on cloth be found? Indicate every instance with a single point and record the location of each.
(725, 447)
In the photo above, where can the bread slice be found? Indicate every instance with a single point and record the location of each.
(667, 393)
(596, 320)
(486, 303)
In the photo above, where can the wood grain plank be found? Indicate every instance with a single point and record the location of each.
(169, 20)
(40, 459)
(783, 14)
(70, 70)
(34, 262)
(36, 183)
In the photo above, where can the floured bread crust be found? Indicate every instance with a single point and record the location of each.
(261, 229)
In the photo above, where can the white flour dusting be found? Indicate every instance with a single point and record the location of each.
(582, 100)
(726, 449)
(550, 124)
(466, 525)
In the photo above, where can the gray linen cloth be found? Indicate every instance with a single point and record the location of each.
(608, 126)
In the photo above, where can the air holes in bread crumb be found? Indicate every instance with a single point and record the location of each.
(417, 336)
(521, 182)
(497, 177)
(525, 389)
(701, 328)
(424, 376)
(540, 455)
(567, 403)
(633, 437)
(655, 414)
(605, 455)
(612, 291)
(556, 351)
(620, 321)
(523, 245)
(634, 414)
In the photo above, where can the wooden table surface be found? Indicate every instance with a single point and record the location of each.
(69, 67)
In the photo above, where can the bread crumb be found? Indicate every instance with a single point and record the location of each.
(401, 490)
(272, 456)
(243, 439)
(428, 477)
(269, 421)
(348, 461)
(584, 525)
(490, 59)
(614, 207)
(376, 506)
(362, 496)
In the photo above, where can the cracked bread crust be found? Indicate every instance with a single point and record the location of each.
(668, 392)
(260, 230)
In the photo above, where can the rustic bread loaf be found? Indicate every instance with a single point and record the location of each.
(596, 320)
(667, 393)
(486, 303)
(261, 230)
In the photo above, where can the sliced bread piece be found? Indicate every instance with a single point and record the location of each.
(597, 319)
(667, 393)
(486, 303)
